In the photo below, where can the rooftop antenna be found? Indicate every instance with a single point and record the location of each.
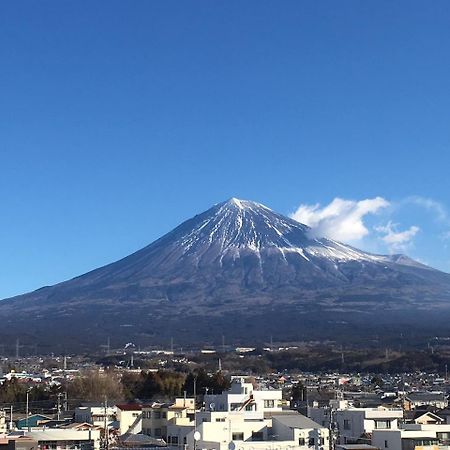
(220, 365)
(65, 362)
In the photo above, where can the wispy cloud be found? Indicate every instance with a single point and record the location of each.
(397, 240)
(430, 204)
(342, 219)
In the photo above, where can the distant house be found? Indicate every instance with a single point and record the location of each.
(423, 399)
(34, 421)
(424, 417)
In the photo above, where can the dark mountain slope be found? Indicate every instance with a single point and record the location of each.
(237, 269)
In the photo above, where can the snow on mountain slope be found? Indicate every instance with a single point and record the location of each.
(235, 261)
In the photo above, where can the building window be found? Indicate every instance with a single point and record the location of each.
(157, 432)
(386, 444)
(238, 436)
(249, 408)
(311, 442)
(175, 440)
(301, 441)
(346, 424)
(269, 403)
(380, 424)
(157, 415)
(164, 415)
(220, 419)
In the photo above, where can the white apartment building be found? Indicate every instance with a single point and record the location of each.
(355, 423)
(167, 421)
(246, 418)
(129, 417)
(413, 437)
(242, 396)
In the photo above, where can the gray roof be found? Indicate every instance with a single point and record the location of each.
(296, 421)
(356, 447)
(425, 396)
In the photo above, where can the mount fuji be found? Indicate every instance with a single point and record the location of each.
(238, 270)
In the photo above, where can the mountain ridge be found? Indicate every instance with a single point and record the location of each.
(239, 259)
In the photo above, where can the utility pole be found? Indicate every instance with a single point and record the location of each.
(27, 409)
(195, 414)
(58, 407)
(106, 443)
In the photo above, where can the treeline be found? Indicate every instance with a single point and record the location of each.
(167, 384)
(14, 391)
(96, 386)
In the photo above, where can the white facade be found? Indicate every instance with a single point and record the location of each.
(95, 415)
(130, 419)
(239, 430)
(242, 396)
(354, 423)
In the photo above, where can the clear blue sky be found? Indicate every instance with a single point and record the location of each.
(119, 119)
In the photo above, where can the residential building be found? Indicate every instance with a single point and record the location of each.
(129, 417)
(355, 424)
(62, 439)
(157, 417)
(95, 415)
(415, 400)
(242, 395)
(413, 437)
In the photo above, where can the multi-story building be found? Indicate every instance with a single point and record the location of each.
(413, 437)
(248, 418)
(356, 424)
(242, 396)
(95, 414)
(129, 417)
(157, 417)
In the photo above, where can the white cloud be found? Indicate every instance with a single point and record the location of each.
(397, 240)
(432, 205)
(342, 219)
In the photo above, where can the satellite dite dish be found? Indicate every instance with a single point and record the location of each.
(197, 436)
(231, 446)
